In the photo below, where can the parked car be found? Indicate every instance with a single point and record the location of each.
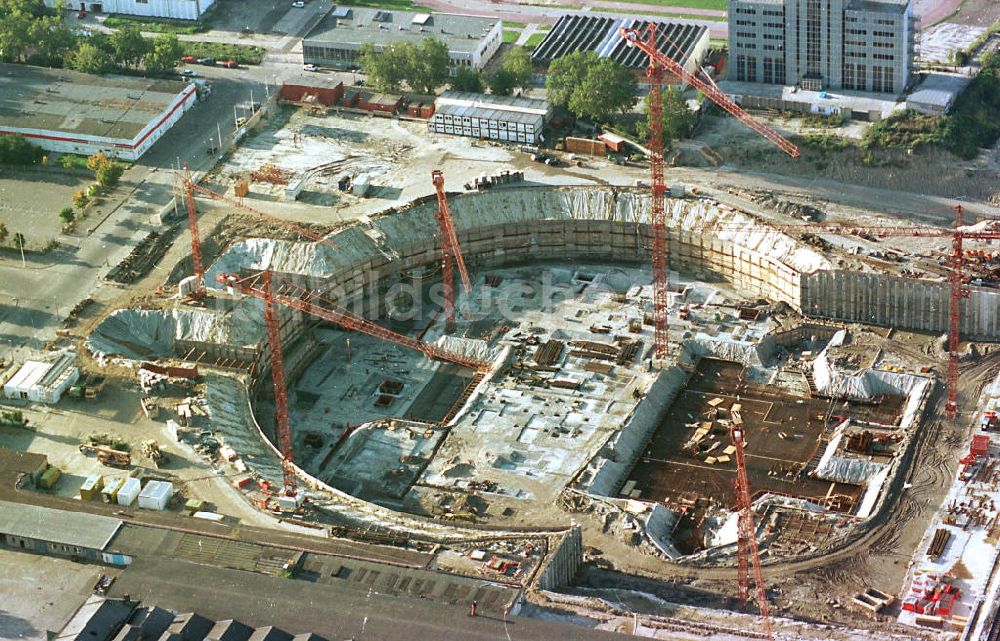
(189, 73)
(299, 4)
(240, 122)
(231, 64)
(309, 67)
(189, 59)
(81, 15)
(206, 61)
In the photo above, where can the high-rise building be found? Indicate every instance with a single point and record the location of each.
(859, 45)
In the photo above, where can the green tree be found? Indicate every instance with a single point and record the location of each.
(66, 215)
(678, 119)
(15, 36)
(128, 46)
(15, 150)
(107, 175)
(502, 82)
(106, 171)
(52, 40)
(388, 68)
(467, 79)
(517, 63)
(164, 54)
(4, 233)
(566, 73)
(428, 68)
(88, 58)
(607, 89)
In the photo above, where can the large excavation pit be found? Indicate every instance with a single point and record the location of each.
(689, 463)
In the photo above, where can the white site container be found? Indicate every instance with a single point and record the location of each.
(129, 491)
(156, 495)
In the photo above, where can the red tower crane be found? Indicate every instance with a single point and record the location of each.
(273, 329)
(299, 298)
(658, 222)
(958, 289)
(748, 552)
(451, 252)
(196, 259)
(658, 62)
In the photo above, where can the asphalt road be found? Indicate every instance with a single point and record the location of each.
(37, 294)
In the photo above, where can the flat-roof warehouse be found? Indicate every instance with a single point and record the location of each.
(79, 113)
(338, 38)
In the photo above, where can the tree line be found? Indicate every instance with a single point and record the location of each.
(582, 83)
(32, 33)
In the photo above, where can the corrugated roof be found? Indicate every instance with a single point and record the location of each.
(57, 369)
(600, 34)
(28, 375)
(506, 108)
(77, 529)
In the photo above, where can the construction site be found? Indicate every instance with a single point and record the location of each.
(667, 411)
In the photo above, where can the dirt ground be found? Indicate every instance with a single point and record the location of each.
(819, 588)
(929, 172)
(783, 434)
(977, 13)
(30, 202)
(58, 431)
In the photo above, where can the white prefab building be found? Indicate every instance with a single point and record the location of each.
(156, 495)
(129, 491)
(505, 118)
(179, 9)
(42, 382)
(78, 113)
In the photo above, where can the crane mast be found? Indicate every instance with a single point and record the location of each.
(658, 63)
(451, 252)
(748, 552)
(196, 257)
(284, 429)
(661, 275)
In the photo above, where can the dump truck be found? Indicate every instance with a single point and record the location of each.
(88, 388)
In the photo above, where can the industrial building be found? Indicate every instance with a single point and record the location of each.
(126, 619)
(337, 40)
(505, 118)
(865, 46)
(176, 9)
(685, 43)
(78, 113)
(42, 382)
(56, 532)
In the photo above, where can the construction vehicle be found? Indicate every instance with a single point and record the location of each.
(13, 418)
(151, 450)
(88, 388)
(108, 456)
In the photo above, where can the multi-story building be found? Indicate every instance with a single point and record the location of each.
(857, 45)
